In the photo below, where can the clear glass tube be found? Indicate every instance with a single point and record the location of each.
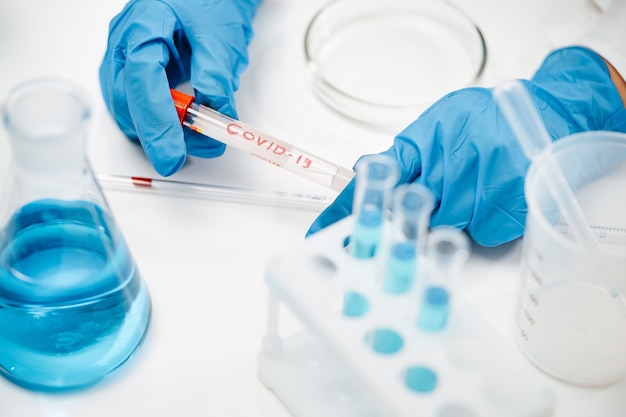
(376, 175)
(411, 210)
(73, 305)
(519, 111)
(195, 190)
(447, 250)
(237, 134)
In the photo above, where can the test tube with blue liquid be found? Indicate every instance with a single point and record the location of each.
(447, 250)
(376, 175)
(411, 210)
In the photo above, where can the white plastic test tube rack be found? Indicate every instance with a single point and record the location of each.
(335, 368)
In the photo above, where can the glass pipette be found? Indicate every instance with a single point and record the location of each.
(519, 111)
(218, 126)
(215, 192)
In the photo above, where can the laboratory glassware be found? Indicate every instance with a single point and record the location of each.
(377, 362)
(376, 176)
(73, 305)
(198, 190)
(519, 110)
(218, 126)
(381, 63)
(412, 205)
(571, 314)
(448, 250)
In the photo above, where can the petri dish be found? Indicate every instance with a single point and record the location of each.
(383, 62)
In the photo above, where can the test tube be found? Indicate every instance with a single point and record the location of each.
(411, 210)
(529, 129)
(447, 251)
(187, 189)
(218, 126)
(376, 175)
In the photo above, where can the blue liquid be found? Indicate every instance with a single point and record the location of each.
(421, 379)
(73, 306)
(354, 304)
(385, 341)
(367, 234)
(401, 268)
(435, 309)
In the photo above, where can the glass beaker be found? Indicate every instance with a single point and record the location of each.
(571, 316)
(73, 306)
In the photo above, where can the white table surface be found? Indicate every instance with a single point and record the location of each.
(204, 260)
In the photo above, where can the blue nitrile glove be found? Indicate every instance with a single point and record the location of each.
(463, 149)
(157, 44)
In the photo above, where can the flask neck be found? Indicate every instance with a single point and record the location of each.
(51, 156)
(46, 121)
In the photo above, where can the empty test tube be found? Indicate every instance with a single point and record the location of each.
(447, 251)
(411, 210)
(376, 175)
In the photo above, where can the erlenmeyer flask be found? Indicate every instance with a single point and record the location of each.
(73, 306)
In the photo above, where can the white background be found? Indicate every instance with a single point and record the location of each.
(204, 260)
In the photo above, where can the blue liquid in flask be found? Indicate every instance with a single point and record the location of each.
(73, 306)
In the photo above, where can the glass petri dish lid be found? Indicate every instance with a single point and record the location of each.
(383, 62)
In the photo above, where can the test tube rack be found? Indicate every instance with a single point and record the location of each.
(332, 368)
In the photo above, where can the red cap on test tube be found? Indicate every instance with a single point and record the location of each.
(215, 125)
(182, 102)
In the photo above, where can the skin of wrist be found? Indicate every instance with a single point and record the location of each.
(618, 80)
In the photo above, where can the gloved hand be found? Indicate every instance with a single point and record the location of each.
(157, 44)
(464, 151)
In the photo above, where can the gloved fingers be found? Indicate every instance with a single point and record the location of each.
(112, 69)
(150, 106)
(340, 208)
(593, 104)
(135, 85)
(404, 152)
(219, 55)
(503, 220)
(150, 49)
(202, 146)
